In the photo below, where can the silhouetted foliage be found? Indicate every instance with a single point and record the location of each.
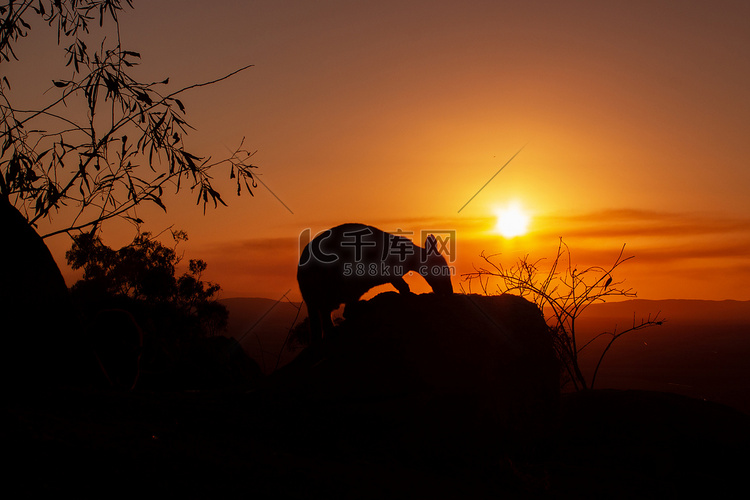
(99, 139)
(563, 295)
(144, 271)
(179, 316)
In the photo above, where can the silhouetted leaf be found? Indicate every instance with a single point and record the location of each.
(134, 219)
(158, 201)
(248, 188)
(42, 154)
(143, 97)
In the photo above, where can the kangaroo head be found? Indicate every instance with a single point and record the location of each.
(434, 268)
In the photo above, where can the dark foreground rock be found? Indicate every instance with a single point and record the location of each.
(449, 376)
(417, 397)
(42, 344)
(603, 444)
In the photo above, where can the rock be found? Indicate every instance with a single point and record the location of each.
(465, 368)
(41, 339)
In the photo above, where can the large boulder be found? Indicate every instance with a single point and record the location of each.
(41, 340)
(462, 371)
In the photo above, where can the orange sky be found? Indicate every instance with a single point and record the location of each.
(635, 116)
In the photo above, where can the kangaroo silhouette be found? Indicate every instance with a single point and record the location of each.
(342, 263)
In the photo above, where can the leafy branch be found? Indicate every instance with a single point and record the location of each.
(562, 293)
(106, 142)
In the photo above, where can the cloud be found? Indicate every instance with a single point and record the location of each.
(622, 224)
(659, 237)
(641, 223)
(673, 246)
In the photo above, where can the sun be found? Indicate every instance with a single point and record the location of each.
(512, 221)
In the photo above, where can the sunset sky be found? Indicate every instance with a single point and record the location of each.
(634, 119)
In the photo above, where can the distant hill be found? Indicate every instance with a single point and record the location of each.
(700, 351)
(724, 311)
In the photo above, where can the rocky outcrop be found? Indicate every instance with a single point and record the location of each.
(41, 336)
(467, 368)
